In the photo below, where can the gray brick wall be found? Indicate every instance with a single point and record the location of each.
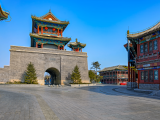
(43, 58)
(4, 74)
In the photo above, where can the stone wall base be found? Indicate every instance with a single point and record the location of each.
(41, 82)
(14, 80)
(131, 85)
(149, 86)
(67, 82)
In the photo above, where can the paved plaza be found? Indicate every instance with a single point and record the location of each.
(102, 102)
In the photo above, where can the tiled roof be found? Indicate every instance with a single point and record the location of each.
(146, 32)
(50, 21)
(49, 37)
(3, 14)
(120, 67)
(76, 44)
(49, 13)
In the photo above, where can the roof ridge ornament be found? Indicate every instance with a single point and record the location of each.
(49, 10)
(76, 40)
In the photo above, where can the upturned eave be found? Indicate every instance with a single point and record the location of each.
(49, 37)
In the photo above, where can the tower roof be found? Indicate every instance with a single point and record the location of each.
(49, 17)
(51, 38)
(76, 44)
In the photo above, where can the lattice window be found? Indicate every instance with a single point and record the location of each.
(141, 48)
(155, 45)
(155, 74)
(142, 75)
(145, 47)
(151, 76)
(145, 76)
(150, 46)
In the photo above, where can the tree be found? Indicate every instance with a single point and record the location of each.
(30, 77)
(95, 65)
(92, 76)
(76, 76)
(98, 78)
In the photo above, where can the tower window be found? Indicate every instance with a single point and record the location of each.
(150, 46)
(155, 45)
(145, 47)
(141, 48)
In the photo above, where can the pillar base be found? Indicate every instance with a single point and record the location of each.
(131, 85)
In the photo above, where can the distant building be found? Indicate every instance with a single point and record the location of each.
(114, 75)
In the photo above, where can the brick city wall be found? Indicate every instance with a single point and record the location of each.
(4, 74)
(43, 58)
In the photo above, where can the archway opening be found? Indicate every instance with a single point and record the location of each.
(52, 76)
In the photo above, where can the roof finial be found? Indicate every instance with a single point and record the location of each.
(49, 10)
(128, 30)
(76, 40)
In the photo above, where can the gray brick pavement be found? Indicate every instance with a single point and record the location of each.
(87, 103)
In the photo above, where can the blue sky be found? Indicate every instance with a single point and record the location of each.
(101, 24)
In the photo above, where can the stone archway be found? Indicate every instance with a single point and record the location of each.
(55, 76)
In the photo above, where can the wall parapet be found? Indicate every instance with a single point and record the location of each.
(47, 51)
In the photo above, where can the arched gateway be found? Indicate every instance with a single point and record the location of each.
(55, 76)
(47, 53)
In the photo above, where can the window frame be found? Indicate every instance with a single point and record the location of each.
(151, 73)
(150, 46)
(142, 48)
(145, 47)
(146, 76)
(155, 44)
(142, 73)
(154, 74)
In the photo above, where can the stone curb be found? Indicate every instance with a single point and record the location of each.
(19, 85)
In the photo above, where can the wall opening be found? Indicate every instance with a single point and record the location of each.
(52, 76)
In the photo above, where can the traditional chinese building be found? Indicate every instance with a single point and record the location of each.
(114, 75)
(146, 57)
(76, 46)
(47, 32)
(3, 14)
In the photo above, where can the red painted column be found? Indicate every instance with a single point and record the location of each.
(38, 29)
(81, 49)
(63, 47)
(109, 78)
(36, 44)
(41, 30)
(61, 32)
(42, 45)
(134, 77)
(78, 49)
(159, 77)
(58, 32)
(128, 72)
(131, 75)
(73, 49)
(138, 78)
(58, 47)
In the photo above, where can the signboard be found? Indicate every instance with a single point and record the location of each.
(146, 65)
